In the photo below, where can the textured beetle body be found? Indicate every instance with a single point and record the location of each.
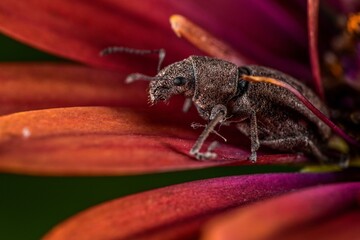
(268, 114)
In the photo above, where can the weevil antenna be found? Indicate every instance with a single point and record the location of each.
(117, 49)
(138, 76)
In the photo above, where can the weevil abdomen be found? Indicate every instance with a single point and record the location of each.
(267, 97)
(281, 120)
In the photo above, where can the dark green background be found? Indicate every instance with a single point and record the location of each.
(30, 206)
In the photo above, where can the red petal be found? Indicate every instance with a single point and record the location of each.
(27, 86)
(79, 30)
(316, 213)
(106, 141)
(177, 212)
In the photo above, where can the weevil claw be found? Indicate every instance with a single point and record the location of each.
(204, 155)
(253, 157)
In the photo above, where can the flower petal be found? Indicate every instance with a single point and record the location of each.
(306, 214)
(30, 86)
(79, 30)
(177, 212)
(107, 141)
(313, 14)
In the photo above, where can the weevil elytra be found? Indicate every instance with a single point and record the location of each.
(269, 115)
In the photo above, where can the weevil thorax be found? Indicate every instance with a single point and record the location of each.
(177, 78)
(216, 82)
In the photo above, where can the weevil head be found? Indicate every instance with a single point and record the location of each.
(177, 78)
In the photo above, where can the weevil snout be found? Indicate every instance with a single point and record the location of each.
(177, 78)
(158, 92)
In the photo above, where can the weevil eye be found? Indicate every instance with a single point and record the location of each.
(179, 81)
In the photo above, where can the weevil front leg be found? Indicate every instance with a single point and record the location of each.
(218, 114)
(254, 138)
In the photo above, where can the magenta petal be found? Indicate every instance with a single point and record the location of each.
(346, 6)
(177, 212)
(320, 212)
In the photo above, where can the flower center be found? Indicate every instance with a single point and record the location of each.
(343, 61)
(353, 24)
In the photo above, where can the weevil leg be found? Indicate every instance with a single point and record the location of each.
(254, 138)
(218, 114)
(187, 105)
(244, 127)
(292, 143)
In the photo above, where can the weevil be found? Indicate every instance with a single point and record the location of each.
(269, 115)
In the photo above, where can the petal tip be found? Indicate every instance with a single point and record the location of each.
(175, 21)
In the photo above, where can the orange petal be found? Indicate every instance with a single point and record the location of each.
(322, 212)
(205, 41)
(177, 212)
(106, 141)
